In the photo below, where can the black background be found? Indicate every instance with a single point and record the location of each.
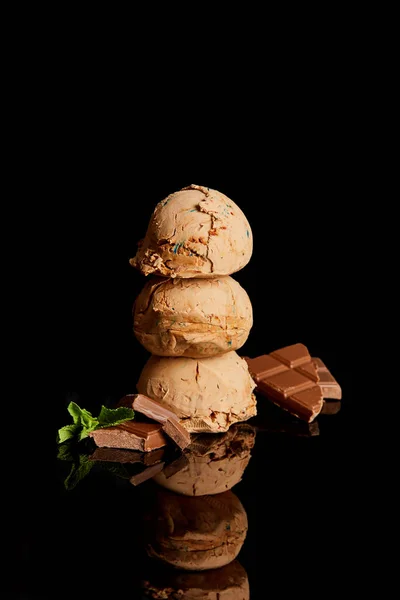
(290, 172)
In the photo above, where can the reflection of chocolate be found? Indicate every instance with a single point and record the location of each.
(146, 474)
(127, 456)
(195, 533)
(213, 463)
(227, 583)
(271, 419)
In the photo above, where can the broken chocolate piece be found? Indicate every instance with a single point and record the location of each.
(292, 356)
(152, 409)
(285, 384)
(176, 432)
(264, 366)
(131, 435)
(328, 384)
(156, 411)
(293, 386)
(306, 404)
(309, 370)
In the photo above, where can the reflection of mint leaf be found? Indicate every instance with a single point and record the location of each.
(64, 452)
(116, 469)
(114, 416)
(67, 432)
(85, 422)
(79, 470)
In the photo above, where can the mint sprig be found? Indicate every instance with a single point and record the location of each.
(84, 422)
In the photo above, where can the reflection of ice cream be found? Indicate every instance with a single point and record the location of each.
(215, 463)
(195, 533)
(207, 394)
(227, 583)
(192, 317)
(195, 232)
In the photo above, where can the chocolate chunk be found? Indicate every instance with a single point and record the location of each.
(156, 411)
(292, 356)
(285, 384)
(294, 385)
(328, 384)
(309, 370)
(264, 366)
(153, 409)
(132, 435)
(176, 432)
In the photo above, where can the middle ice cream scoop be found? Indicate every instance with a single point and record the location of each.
(192, 317)
(207, 394)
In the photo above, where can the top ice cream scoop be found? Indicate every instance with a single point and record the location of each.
(195, 232)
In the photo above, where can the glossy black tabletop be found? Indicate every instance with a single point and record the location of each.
(294, 482)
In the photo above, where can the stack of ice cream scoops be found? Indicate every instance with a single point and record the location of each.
(192, 315)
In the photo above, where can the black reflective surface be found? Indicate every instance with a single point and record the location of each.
(282, 510)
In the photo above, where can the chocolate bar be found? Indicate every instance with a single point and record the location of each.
(328, 384)
(156, 411)
(289, 378)
(132, 435)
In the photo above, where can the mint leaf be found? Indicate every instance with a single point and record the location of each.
(84, 422)
(75, 412)
(67, 432)
(115, 416)
(87, 420)
(81, 416)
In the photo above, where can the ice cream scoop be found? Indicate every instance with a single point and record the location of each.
(207, 394)
(192, 317)
(195, 232)
(195, 533)
(215, 463)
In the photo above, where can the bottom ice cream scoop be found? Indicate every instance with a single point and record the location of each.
(207, 394)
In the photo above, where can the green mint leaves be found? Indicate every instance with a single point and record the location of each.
(84, 422)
